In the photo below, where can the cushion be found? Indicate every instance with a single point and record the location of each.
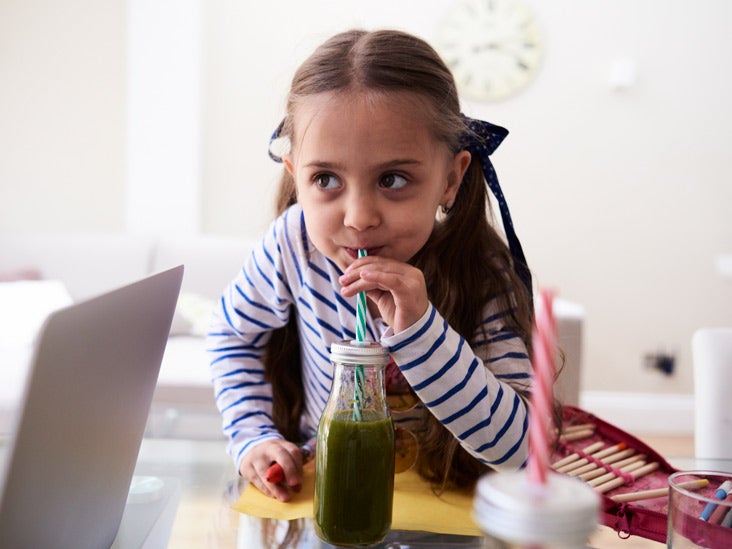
(24, 306)
(192, 315)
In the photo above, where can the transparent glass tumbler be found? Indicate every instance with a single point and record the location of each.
(700, 518)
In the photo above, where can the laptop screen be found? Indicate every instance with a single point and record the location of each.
(72, 453)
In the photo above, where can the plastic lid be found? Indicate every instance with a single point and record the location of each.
(368, 352)
(508, 507)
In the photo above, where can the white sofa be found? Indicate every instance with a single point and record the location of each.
(82, 265)
(86, 264)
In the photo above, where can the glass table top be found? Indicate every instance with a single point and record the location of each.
(202, 484)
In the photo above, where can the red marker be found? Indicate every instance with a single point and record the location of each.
(275, 474)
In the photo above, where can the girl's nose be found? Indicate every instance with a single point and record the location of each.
(361, 212)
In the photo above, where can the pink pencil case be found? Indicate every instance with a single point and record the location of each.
(644, 518)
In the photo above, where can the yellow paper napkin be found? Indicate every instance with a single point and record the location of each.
(416, 507)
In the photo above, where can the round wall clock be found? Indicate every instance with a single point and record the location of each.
(493, 47)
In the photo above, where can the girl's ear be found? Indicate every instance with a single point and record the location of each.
(460, 164)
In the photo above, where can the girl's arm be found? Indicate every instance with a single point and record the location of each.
(253, 304)
(472, 391)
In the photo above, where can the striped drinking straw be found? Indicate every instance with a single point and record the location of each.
(360, 338)
(544, 343)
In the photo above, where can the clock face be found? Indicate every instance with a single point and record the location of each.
(493, 47)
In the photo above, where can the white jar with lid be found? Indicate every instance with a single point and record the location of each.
(513, 513)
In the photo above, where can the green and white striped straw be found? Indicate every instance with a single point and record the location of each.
(361, 310)
(360, 338)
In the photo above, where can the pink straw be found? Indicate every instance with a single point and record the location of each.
(544, 343)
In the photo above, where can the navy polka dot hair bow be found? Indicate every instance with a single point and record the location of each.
(480, 140)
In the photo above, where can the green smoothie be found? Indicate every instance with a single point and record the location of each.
(354, 483)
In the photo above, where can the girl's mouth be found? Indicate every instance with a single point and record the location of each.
(353, 252)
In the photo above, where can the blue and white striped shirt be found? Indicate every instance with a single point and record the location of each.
(469, 389)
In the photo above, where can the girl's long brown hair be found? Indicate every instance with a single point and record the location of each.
(465, 262)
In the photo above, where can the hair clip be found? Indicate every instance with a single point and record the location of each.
(277, 134)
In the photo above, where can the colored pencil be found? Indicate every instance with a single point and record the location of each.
(612, 458)
(575, 456)
(597, 455)
(619, 481)
(659, 492)
(618, 465)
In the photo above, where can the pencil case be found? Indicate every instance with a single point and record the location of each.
(646, 518)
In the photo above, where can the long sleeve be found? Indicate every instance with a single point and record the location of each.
(472, 391)
(284, 273)
(255, 303)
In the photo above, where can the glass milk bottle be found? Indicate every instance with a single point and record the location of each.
(354, 474)
(514, 514)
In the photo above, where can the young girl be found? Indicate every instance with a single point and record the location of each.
(380, 158)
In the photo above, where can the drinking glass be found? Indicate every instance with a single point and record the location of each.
(699, 518)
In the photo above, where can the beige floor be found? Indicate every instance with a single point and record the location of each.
(666, 446)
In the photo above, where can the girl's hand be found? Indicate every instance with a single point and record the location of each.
(397, 289)
(255, 464)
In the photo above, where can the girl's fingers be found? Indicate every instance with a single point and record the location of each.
(398, 289)
(366, 260)
(249, 472)
(255, 468)
(405, 288)
(355, 277)
(394, 282)
(278, 491)
(290, 461)
(401, 299)
(274, 490)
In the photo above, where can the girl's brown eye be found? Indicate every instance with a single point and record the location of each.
(326, 181)
(392, 181)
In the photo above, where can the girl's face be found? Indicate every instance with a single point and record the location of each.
(369, 174)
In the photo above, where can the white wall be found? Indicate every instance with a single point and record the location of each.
(163, 147)
(62, 114)
(621, 198)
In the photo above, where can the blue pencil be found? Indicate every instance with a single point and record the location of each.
(721, 493)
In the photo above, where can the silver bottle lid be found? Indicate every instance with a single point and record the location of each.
(356, 352)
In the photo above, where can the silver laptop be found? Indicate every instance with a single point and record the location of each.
(71, 457)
